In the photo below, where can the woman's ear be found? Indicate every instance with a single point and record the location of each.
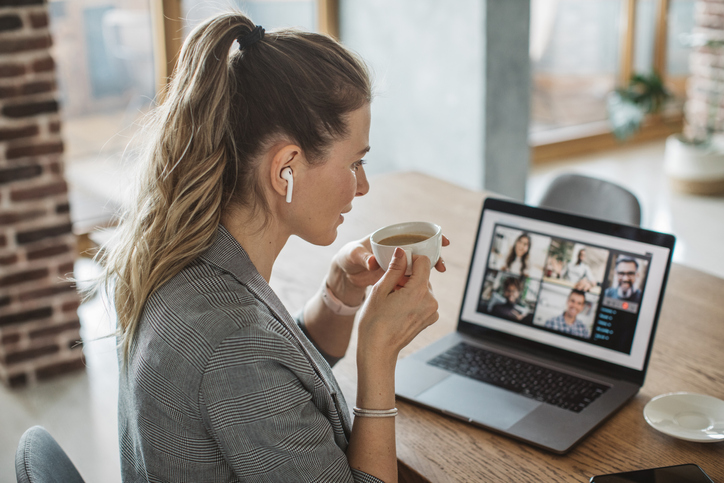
(284, 165)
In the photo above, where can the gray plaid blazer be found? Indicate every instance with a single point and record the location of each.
(223, 385)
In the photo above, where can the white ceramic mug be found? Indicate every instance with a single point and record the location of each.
(430, 244)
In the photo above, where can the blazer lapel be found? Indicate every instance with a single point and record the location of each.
(227, 254)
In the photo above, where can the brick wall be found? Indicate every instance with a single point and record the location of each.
(39, 326)
(705, 88)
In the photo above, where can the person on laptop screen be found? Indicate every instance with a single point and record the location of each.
(507, 309)
(579, 273)
(517, 261)
(568, 322)
(626, 274)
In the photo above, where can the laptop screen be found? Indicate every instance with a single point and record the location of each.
(581, 285)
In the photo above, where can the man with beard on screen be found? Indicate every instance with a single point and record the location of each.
(626, 273)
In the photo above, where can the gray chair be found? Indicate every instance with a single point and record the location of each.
(592, 197)
(40, 459)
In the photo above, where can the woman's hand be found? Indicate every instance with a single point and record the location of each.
(354, 268)
(398, 309)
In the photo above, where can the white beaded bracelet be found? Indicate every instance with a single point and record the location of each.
(336, 305)
(375, 413)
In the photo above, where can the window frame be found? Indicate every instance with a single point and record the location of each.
(167, 26)
(587, 139)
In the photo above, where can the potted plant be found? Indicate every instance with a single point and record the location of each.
(694, 160)
(629, 105)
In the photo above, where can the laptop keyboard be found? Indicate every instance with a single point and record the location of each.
(536, 382)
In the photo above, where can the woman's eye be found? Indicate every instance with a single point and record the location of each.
(359, 164)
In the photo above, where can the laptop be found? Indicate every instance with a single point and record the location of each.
(555, 328)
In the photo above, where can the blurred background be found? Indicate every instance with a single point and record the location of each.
(501, 96)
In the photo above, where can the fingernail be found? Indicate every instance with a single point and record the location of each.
(399, 253)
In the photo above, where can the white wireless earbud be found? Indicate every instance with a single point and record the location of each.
(287, 175)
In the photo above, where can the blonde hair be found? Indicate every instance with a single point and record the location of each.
(220, 110)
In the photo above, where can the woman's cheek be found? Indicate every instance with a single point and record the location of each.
(351, 187)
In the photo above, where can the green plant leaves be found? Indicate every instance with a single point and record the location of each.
(628, 106)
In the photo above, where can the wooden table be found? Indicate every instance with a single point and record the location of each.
(688, 354)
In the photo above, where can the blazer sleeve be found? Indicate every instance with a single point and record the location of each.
(299, 318)
(257, 402)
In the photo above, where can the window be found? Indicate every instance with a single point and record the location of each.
(180, 16)
(105, 70)
(583, 49)
(575, 60)
(267, 13)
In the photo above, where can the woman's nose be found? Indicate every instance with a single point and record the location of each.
(363, 185)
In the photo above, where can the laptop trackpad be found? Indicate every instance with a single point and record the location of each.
(483, 403)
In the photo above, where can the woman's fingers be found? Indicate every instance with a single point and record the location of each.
(400, 306)
(422, 302)
(372, 263)
(395, 272)
(355, 266)
(420, 270)
(440, 265)
(353, 258)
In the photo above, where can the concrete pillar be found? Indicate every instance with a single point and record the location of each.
(452, 87)
(506, 101)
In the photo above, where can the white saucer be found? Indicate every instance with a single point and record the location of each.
(687, 416)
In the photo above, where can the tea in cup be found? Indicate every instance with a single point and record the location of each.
(415, 238)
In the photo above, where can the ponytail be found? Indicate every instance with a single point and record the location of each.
(204, 142)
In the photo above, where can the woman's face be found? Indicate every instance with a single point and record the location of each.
(326, 190)
(522, 246)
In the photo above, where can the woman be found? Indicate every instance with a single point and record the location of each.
(217, 381)
(579, 273)
(517, 261)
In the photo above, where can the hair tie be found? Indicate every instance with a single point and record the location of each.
(251, 38)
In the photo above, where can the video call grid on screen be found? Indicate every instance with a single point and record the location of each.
(564, 269)
(618, 330)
